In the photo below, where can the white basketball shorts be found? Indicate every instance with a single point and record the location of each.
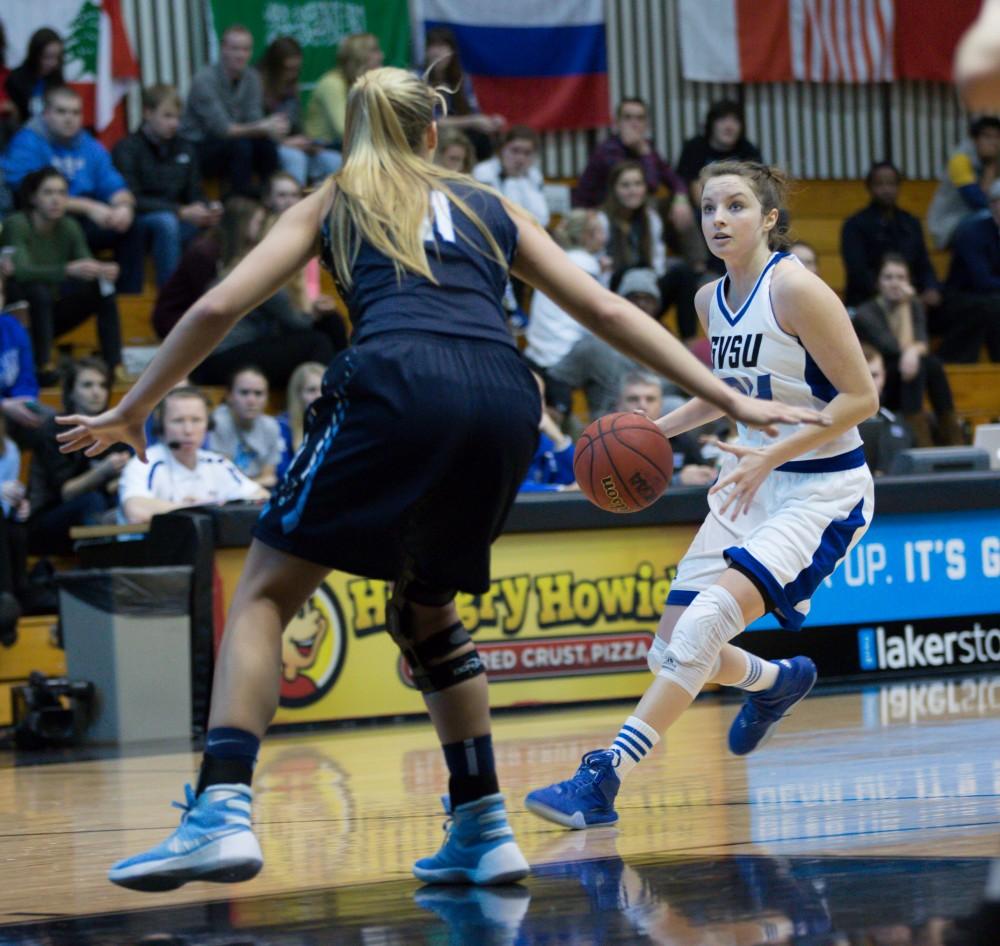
(799, 528)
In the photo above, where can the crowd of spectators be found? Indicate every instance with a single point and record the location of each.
(78, 223)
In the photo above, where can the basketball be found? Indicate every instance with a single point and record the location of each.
(623, 462)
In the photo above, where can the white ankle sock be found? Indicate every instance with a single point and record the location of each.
(760, 674)
(635, 740)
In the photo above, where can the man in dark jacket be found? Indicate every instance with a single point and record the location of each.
(881, 228)
(161, 170)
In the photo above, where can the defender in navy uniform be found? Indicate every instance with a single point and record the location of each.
(411, 459)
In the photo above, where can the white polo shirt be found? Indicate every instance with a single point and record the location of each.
(213, 480)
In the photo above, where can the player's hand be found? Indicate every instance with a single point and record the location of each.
(765, 415)
(93, 435)
(744, 479)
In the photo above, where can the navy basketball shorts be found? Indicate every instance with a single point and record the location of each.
(412, 458)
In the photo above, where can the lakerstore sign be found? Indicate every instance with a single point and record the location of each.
(913, 650)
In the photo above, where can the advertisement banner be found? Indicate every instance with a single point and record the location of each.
(569, 616)
(919, 593)
(319, 26)
(568, 619)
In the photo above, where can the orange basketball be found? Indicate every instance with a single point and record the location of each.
(623, 462)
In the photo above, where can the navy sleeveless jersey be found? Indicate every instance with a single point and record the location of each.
(466, 302)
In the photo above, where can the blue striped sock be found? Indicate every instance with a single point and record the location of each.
(760, 674)
(635, 740)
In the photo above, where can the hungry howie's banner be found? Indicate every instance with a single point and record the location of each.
(569, 618)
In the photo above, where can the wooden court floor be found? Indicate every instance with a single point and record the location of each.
(870, 817)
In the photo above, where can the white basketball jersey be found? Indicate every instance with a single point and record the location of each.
(754, 354)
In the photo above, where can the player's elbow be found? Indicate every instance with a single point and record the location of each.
(609, 313)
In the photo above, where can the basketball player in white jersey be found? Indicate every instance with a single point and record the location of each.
(785, 510)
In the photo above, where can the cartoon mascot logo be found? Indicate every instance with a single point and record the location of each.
(313, 649)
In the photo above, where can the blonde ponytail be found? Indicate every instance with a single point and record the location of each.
(384, 186)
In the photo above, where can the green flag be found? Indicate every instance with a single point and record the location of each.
(319, 26)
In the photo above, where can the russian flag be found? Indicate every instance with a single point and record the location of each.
(542, 63)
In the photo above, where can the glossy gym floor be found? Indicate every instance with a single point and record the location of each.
(870, 818)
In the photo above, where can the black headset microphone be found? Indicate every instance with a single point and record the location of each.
(174, 445)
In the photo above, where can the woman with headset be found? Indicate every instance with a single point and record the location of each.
(179, 473)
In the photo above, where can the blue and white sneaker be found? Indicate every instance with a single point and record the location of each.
(755, 722)
(479, 847)
(215, 841)
(587, 800)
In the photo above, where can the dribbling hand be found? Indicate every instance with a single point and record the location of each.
(745, 478)
(93, 435)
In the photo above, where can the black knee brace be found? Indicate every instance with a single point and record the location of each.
(399, 622)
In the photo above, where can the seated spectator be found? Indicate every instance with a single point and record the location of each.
(243, 432)
(551, 468)
(635, 239)
(455, 151)
(161, 170)
(98, 195)
(71, 489)
(299, 155)
(551, 332)
(592, 364)
(514, 173)
(304, 386)
(179, 473)
(642, 391)
(443, 68)
(971, 169)
(884, 435)
(14, 511)
(327, 106)
(8, 111)
(276, 336)
(724, 139)
(239, 230)
(806, 254)
(18, 386)
(895, 324)
(630, 141)
(41, 71)
(973, 288)
(884, 227)
(304, 289)
(224, 117)
(55, 273)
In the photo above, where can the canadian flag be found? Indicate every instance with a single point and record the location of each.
(97, 55)
(820, 40)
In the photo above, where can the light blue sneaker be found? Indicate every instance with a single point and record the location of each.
(215, 841)
(479, 847)
(587, 800)
(755, 722)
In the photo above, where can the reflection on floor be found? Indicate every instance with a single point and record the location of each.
(869, 820)
(745, 899)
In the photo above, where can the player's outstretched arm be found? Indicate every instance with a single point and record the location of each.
(288, 246)
(542, 263)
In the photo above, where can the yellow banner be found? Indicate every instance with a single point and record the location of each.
(568, 619)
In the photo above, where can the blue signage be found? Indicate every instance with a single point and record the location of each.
(909, 568)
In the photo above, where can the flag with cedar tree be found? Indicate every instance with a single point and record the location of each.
(98, 60)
